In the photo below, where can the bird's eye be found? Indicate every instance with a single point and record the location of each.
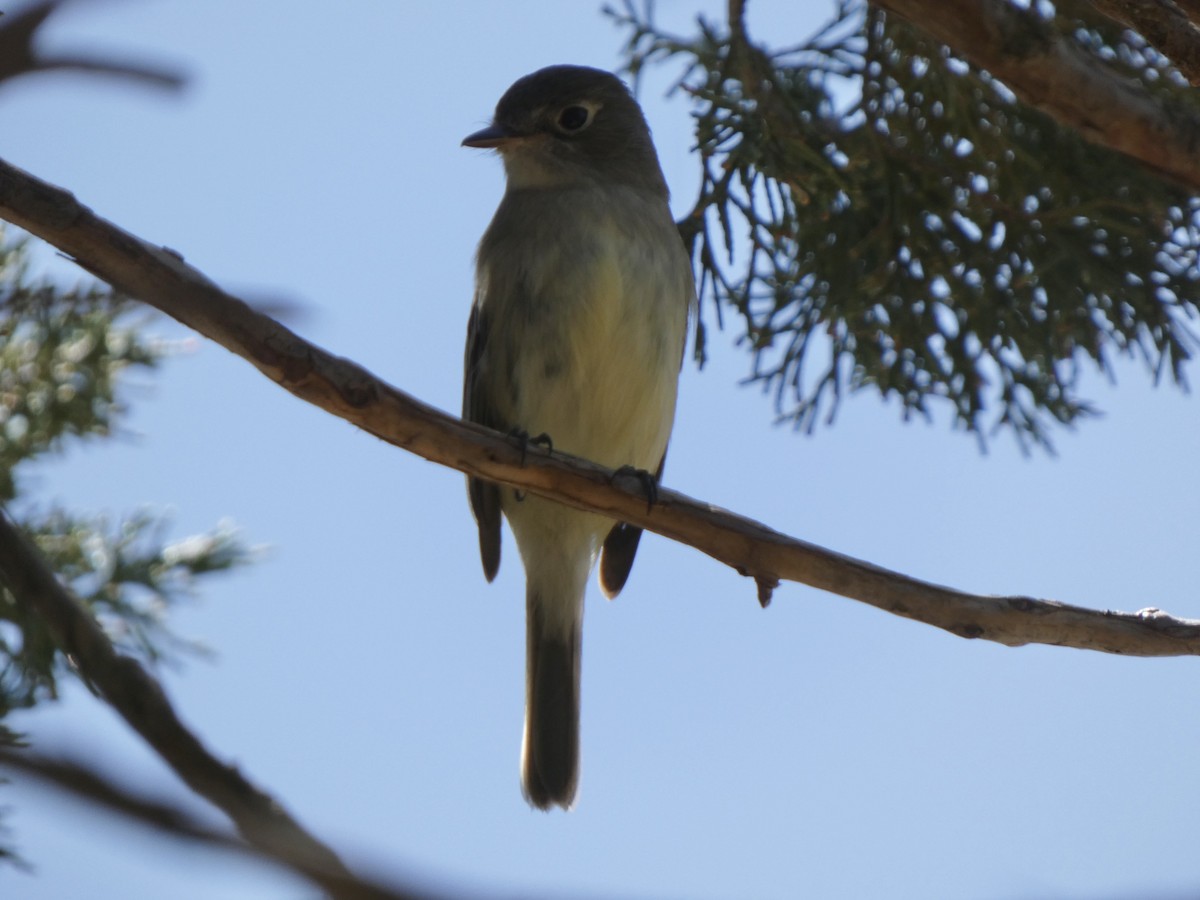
(574, 118)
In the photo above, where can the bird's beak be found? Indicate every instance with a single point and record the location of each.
(492, 136)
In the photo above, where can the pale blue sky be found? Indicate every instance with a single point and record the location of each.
(368, 676)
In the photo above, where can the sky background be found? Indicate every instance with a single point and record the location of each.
(365, 673)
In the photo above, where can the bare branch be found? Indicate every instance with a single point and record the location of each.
(142, 703)
(1046, 71)
(1164, 25)
(161, 279)
(17, 56)
(83, 783)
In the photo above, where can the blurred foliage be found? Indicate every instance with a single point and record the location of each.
(125, 574)
(881, 214)
(62, 355)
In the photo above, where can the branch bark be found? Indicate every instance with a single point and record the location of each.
(162, 279)
(1045, 70)
(1191, 9)
(140, 700)
(1164, 25)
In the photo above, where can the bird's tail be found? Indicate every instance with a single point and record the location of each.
(550, 751)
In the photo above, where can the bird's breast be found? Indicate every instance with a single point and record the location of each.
(593, 314)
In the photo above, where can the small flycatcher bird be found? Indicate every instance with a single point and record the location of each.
(583, 290)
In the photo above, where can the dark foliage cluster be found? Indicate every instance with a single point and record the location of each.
(880, 214)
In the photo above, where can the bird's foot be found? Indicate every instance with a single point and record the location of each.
(645, 479)
(525, 440)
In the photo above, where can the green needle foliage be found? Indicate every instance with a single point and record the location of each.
(126, 574)
(62, 355)
(880, 214)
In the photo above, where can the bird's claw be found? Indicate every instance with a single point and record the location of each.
(645, 479)
(525, 440)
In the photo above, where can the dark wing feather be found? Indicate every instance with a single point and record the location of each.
(485, 496)
(620, 547)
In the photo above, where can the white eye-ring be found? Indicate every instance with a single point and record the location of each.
(576, 117)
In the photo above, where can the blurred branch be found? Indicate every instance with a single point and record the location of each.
(162, 279)
(1164, 25)
(83, 783)
(140, 700)
(1046, 71)
(1191, 8)
(17, 55)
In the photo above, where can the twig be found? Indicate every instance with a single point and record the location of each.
(140, 700)
(161, 279)
(17, 55)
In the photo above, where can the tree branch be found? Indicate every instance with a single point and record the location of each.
(17, 56)
(140, 700)
(1046, 71)
(160, 278)
(1164, 25)
(1191, 9)
(83, 783)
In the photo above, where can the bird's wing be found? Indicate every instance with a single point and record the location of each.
(485, 496)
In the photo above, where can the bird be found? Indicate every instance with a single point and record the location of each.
(583, 292)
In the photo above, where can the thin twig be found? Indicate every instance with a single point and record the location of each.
(18, 56)
(163, 280)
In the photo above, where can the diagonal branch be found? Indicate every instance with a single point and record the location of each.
(161, 279)
(1045, 70)
(1191, 9)
(140, 700)
(83, 783)
(1164, 25)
